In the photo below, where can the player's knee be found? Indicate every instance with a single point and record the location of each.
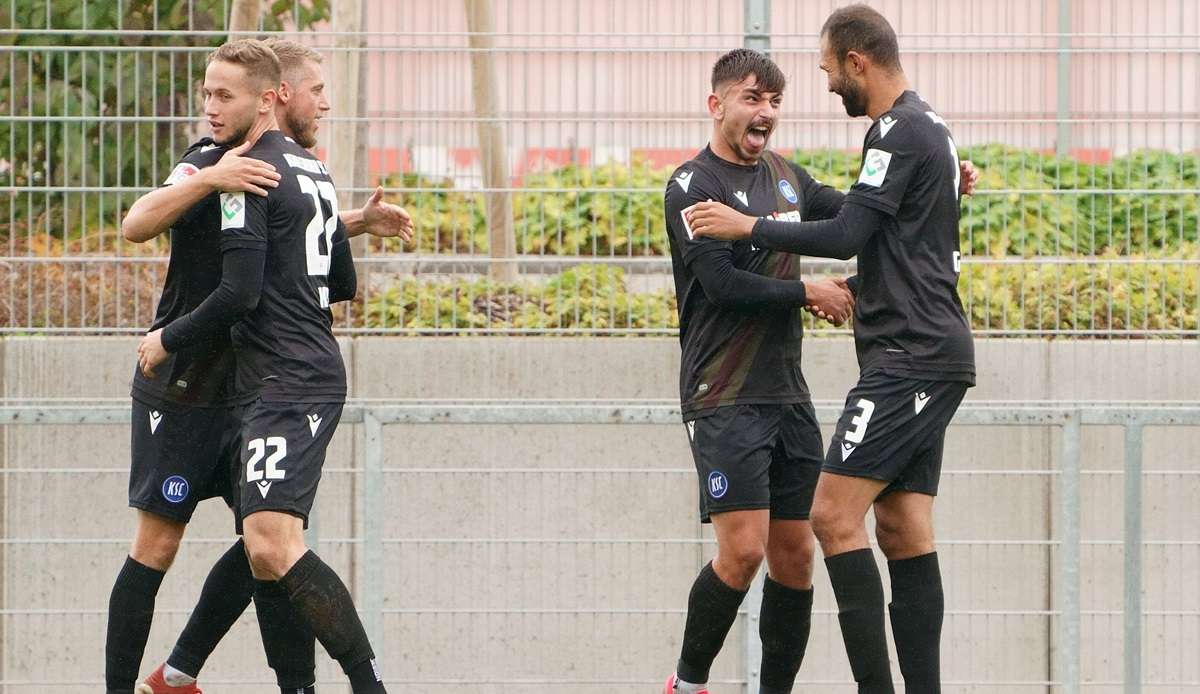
(890, 537)
(157, 553)
(831, 523)
(268, 560)
(741, 561)
(156, 542)
(899, 542)
(790, 562)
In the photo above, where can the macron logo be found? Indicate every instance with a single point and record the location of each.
(155, 420)
(885, 125)
(920, 401)
(691, 427)
(847, 449)
(741, 195)
(314, 421)
(684, 180)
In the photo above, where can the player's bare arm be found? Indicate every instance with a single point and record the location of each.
(378, 218)
(156, 211)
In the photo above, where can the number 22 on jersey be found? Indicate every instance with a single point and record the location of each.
(318, 235)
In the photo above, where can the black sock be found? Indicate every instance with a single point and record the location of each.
(224, 598)
(712, 609)
(130, 612)
(289, 643)
(917, 609)
(859, 592)
(323, 602)
(783, 626)
(310, 689)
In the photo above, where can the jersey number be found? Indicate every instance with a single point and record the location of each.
(258, 449)
(318, 235)
(957, 170)
(860, 421)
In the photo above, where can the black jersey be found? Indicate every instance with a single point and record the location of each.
(200, 375)
(739, 356)
(285, 347)
(908, 318)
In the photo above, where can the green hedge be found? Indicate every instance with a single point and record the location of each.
(1150, 296)
(1048, 218)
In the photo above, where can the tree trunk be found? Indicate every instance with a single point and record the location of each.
(493, 156)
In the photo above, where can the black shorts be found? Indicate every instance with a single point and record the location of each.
(181, 456)
(757, 457)
(893, 430)
(283, 451)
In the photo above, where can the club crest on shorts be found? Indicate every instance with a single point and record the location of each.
(789, 193)
(175, 489)
(718, 484)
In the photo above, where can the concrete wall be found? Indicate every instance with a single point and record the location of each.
(583, 575)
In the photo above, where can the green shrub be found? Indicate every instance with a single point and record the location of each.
(617, 210)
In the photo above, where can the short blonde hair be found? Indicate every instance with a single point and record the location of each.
(291, 54)
(255, 56)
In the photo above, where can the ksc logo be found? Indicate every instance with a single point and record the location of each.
(718, 484)
(175, 489)
(789, 193)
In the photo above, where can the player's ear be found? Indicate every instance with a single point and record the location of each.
(268, 99)
(285, 92)
(716, 108)
(855, 62)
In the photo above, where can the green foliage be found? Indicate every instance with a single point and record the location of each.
(48, 79)
(570, 211)
(1145, 296)
(1017, 297)
(587, 297)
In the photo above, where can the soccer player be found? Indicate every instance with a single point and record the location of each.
(746, 407)
(184, 436)
(914, 346)
(285, 260)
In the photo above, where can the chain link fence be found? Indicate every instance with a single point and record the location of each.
(1084, 119)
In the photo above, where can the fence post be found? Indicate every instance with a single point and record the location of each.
(1133, 558)
(752, 644)
(1069, 605)
(493, 154)
(372, 571)
(758, 25)
(1063, 139)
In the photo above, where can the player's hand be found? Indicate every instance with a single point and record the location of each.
(719, 221)
(829, 299)
(235, 173)
(151, 352)
(384, 219)
(968, 177)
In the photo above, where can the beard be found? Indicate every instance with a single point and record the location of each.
(853, 98)
(304, 132)
(237, 138)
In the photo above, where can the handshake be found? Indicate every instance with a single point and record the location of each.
(829, 299)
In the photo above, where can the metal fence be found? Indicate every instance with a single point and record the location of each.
(566, 589)
(1083, 117)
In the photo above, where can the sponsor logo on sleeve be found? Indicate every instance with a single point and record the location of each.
(233, 210)
(180, 173)
(684, 180)
(875, 166)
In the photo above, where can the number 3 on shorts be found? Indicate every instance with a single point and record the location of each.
(860, 421)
